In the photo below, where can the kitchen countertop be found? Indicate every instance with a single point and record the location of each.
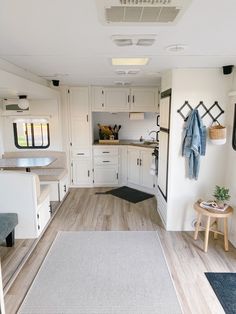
(146, 144)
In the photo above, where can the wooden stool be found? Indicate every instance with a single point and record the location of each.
(214, 226)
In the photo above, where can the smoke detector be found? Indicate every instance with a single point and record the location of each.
(176, 48)
(133, 40)
(148, 12)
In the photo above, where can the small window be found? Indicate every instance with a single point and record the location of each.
(31, 133)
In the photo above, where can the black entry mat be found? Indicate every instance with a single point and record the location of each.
(129, 194)
(224, 286)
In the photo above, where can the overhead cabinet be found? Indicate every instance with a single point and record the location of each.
(111, 99)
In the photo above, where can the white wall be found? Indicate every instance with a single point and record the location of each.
(130, 129)
(194, 85)
(38, 108)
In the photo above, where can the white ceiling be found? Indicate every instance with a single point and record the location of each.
(65, 37)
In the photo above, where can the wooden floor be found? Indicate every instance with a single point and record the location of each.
(84, 210)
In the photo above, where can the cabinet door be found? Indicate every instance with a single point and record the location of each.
(82, 172)
(98, 99)
(144, 99)
(106, 175)
(163, 163)
(80, 118)
(117, 99)
(146, 179)
(63, 186)
(133, 166)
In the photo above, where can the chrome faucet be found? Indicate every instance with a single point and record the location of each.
(151, 136)
(157, 132)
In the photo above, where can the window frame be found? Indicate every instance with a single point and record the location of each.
(33, 146)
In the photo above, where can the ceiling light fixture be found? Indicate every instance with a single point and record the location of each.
(23, 102)
(129, 61)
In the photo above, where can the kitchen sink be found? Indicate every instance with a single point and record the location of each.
(146, 143)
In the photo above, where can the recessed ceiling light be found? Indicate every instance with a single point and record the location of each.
(176, 48)
(127, 72)
(130, 61)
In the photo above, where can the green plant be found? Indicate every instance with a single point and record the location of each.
(221, 193)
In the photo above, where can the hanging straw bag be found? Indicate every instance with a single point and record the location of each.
(217, 134)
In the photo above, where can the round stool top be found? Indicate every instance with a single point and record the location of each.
(211, 212)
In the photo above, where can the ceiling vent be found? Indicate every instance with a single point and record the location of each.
(133, 40)
(141, 11)
(127, 72)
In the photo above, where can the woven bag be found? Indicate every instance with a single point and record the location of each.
(217, 132)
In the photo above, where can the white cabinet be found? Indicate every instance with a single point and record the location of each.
(106, 166)
(111, 99)
(82, 172)
(80, 134)
(144, 99)
(63, 187)
(43, 215)
(139, 164)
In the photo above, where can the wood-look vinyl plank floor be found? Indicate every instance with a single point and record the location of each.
(83, 210)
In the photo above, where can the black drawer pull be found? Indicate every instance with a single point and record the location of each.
(80, 154)
(106, 161)
(106, 152)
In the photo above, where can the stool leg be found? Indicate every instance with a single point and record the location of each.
(216, 226)
(207, 233)
(226, 234)
(197, 226)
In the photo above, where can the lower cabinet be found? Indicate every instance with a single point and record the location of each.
(43, 215)
(139, 164)
(82, 172)
(106, 166)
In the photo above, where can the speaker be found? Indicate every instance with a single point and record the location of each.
(55, 82)
(227, 69)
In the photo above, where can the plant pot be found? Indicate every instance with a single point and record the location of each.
(220, 204)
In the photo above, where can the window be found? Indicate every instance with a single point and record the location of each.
(31, 133)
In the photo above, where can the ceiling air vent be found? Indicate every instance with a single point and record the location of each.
(141, 11)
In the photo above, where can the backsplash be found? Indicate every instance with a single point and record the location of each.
(130, 129)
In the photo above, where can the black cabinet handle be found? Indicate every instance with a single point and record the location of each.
(106, 152)
(128, 98)
(133, 99)
(137, 161)
(64, 188)
(106, 161)
(88, 173)
(140, 162)
(80, 154)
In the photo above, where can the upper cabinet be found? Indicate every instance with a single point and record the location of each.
(111, 99)
(144, 99)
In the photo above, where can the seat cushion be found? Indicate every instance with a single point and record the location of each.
(8, 222)
(44, 193)
(51, 174)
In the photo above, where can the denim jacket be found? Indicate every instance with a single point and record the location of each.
(194, 143)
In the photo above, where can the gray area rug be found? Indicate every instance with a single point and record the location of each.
(103, 272)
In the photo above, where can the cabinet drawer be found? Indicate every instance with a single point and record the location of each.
(106, 160)
(105, 151)
(83, 152)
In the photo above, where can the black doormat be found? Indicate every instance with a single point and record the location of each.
(129, 194)
(224, 286)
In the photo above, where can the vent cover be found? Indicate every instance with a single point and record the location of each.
(141, 11)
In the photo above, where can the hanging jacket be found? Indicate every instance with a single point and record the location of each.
(194, 143)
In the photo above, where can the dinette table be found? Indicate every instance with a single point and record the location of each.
(27, 162)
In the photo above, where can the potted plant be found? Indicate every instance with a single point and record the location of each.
(221, 194)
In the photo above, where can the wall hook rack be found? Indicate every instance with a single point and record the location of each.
(206, 111)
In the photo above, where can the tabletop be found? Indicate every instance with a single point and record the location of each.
(29, 162)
